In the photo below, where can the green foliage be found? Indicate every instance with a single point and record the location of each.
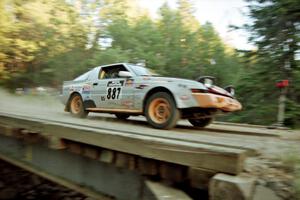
(108, 56)
(47, 42)
(275, 30)
(175, 45)
(297, 185)
(291, 163)
(35, 32)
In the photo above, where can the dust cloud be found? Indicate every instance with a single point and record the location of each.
(29, 103)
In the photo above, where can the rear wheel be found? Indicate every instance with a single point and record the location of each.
(200, 123)
(161, 111)
(122, 116)
(76, 106)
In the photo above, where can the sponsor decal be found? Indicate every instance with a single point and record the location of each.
(77, 89)
(86, 89)
(127, 103)
(113, 93)
(141, 86)
(71, 89)
(115, 83)
(114, 89)
(112, 103)
(129, 83)
(182, 85)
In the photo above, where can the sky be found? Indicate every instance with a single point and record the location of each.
(221, 13)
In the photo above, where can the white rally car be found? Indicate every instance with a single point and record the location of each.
(126, 89)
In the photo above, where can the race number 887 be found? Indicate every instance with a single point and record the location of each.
(113, 93)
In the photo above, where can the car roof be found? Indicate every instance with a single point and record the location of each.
(113, 64)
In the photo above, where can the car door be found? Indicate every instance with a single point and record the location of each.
(97, 86)
(110, 91)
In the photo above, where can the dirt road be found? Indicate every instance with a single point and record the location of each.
(270, 147)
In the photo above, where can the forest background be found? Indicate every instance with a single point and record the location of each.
(44, 42)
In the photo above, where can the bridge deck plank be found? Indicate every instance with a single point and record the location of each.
(184, 152)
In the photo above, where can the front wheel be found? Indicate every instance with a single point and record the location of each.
(161, 111)
(200, 123)
(76, 106)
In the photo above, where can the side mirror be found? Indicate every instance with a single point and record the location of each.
(125, 74)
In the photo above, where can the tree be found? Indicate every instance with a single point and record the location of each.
(275, 30)
(35, 32)
(186, 11)
(46, 42)
(216, 58)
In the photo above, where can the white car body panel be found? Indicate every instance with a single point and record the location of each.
(133, 90)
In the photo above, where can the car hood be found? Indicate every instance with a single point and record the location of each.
(183, 82)
(190, 84)
(219, 90)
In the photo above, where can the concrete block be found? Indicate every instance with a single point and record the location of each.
(5, 130)
(147, 166)
(124, 160)
(106, 156)
(75, 148)
(56, 143)
(172, 172)
(32, 138)
(159, 191)
(91, 152)
(264, 193)
(16, 132)
(132, 162)
(199, 178)
(227, 187)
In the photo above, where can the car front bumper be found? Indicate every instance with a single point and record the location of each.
(208, 100)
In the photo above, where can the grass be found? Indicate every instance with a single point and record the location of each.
(297, 181)
(291, 163)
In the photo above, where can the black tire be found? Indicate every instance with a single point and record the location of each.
(122, 116)
(77, 107)
(200, 123)
(166, 109)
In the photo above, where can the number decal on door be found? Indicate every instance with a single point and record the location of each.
(113, 93)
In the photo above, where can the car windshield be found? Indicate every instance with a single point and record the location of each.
(142, 71)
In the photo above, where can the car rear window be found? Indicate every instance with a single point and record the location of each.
(83, 77)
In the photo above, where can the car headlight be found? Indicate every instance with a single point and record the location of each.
(230, 90)
(208, 81)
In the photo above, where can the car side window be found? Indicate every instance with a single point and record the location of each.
(111, 72)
